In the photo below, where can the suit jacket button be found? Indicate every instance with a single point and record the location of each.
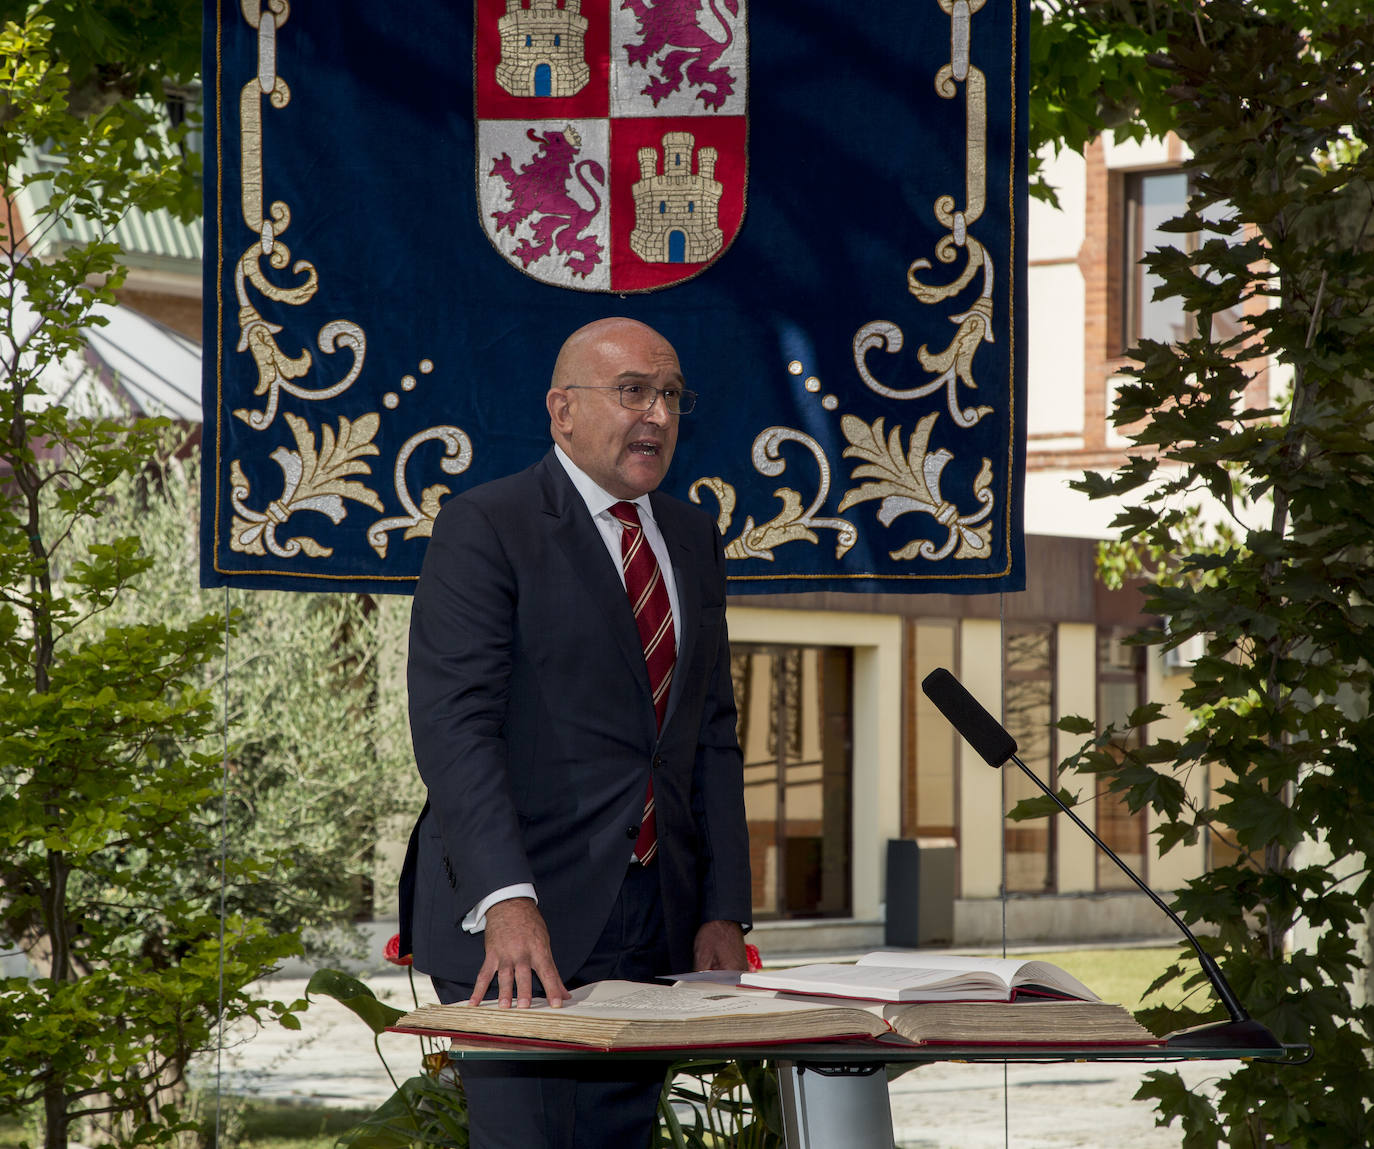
(658, 761)
(632, 832)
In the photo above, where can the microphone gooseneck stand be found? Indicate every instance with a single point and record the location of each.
(996, 746)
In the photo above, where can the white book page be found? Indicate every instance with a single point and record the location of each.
(1047, 973)
(890, 983)
(827, 1001)
(1009, 971)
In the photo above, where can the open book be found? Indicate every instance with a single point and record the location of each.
(630, 1015)
(916, 976)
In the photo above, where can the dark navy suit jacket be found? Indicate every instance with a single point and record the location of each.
(534, 730)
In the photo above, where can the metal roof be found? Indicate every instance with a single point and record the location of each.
(130, 364)
(145, 238)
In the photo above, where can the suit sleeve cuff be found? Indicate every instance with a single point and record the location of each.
(476, 919)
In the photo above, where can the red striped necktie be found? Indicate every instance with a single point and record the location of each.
(654, 619)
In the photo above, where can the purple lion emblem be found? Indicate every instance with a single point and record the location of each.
(538, 192)
(670, 26)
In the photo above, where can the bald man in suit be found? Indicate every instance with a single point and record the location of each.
(585, 814)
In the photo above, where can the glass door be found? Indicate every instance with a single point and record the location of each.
(796, 731)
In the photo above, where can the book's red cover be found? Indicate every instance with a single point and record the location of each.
(488, 1039)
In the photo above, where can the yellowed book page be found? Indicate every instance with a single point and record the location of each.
(629, 1014)
(1018, 1023)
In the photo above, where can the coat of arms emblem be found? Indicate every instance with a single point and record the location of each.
(611, 137)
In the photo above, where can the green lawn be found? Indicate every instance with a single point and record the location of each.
(1120, 975)
(248, 1125)
(278, 1125)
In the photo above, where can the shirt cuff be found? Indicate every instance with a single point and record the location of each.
(476, 920)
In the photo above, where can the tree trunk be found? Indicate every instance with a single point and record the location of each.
(55, 1119)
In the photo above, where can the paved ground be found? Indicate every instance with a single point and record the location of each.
(332, 1061)
(1078, 1106)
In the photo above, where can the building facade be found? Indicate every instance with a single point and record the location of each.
(842, 771)
(843, 752)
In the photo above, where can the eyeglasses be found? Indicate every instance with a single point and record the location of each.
(642, 396)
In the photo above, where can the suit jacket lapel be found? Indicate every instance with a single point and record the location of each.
(688, 598)
(580, 541)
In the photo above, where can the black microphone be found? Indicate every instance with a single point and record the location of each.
(992, 742)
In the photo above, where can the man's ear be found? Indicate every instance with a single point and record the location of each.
(559, 403)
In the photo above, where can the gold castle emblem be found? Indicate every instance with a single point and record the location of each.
(677, 210)
(543, 49)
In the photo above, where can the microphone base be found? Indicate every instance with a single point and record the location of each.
(1248, 1034)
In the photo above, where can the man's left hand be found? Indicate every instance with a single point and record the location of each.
(720, 945)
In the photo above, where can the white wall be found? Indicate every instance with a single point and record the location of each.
(980, 786)
(1055, 309)
(1076, 693)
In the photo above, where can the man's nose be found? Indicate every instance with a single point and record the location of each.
(658, 410)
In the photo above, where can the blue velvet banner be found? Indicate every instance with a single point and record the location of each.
(821, 203)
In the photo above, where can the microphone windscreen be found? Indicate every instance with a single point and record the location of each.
(980, 729)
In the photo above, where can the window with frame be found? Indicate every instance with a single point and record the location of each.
(1151, 199)
(1219, 842)
(1029, 846)
(1120, 689)
(795, 725)
(184, 109)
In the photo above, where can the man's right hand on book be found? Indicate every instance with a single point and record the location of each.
(518, 950)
